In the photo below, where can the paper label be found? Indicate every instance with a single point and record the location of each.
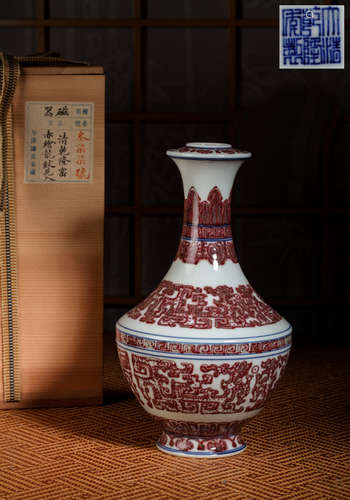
(58, 144)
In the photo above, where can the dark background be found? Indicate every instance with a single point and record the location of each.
(207, 70)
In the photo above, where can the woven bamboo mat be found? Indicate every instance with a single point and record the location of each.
(297, 449)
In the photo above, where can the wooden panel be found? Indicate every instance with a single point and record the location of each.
(262, 9)
(161, 180)
(64, 70)
(136, 270)
(160, 240)
(119, 153)
(337, 278)
(268, 9)
(18, 9)
(76, 9)
(340, 175)
(60, 261)
(280, 256)
(185, 77)
(112, 314)
(112, 48)
(18, 41)
(117, 256)
(190, 9)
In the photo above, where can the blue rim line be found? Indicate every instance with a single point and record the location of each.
(206, 145)
(227, 357)
(218, 355)
(145, 349)
(210, 159)
(209, 343)
(204, 453)
(229, 339)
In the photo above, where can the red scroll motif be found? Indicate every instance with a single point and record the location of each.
(202, 429)
(186, 306)
(270, 371)
(177, 387)
(206, 233)
(206, 388)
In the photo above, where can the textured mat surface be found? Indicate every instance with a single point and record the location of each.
(297, 449)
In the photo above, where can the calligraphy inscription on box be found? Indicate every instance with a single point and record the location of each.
(311, 36)
(58, 144)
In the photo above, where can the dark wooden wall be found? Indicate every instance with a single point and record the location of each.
(185, 70)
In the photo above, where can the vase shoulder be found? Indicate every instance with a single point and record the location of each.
(207, 310)
(205, 293)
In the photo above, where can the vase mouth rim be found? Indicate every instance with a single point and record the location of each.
(209, 145)
(208, 151)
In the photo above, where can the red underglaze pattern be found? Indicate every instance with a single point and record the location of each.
(213, 211)
(192, 252)
(203, 348)
(186, 306)
(179, 386)
(207, 231)
(208, 219)
(201, 429)
(206, 151)
(193, 444)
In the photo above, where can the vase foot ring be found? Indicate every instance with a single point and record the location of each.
(195, 447)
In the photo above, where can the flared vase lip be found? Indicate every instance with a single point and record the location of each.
(208, 151)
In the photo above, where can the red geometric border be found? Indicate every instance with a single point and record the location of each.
(203, 348)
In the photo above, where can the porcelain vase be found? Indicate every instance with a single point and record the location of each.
(203, 352)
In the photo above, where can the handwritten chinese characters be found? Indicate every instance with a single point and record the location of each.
(58, 142)
(80, 152)
(311, 37)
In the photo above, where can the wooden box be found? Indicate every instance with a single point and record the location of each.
(59, 232)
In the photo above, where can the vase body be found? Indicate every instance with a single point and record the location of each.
(203, 352)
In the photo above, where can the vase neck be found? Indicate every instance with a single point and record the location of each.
(206, 232)
(205, 175)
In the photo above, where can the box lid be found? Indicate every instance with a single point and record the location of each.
(62, 70)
